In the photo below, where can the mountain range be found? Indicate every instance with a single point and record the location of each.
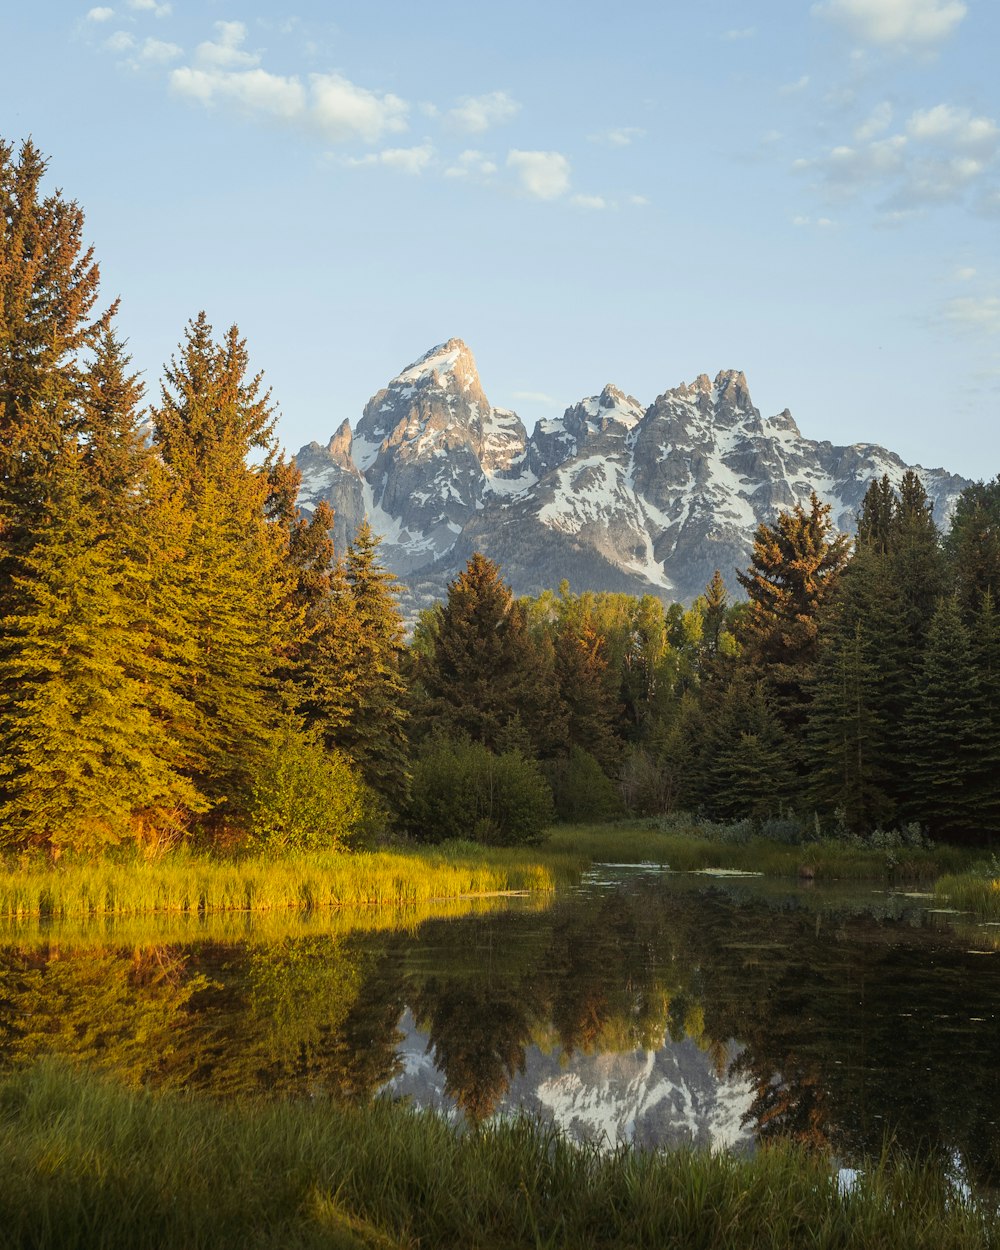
(613, 495)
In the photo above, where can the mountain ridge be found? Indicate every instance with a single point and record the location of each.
(613, 495)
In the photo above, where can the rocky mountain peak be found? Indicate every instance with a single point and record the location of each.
(340, 446)
(448, 363)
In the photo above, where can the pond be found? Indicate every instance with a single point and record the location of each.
(645, 1006)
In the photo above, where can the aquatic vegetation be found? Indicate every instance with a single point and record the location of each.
(192, 883)
(84, 1162)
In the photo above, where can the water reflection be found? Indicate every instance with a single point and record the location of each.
(642, 1005)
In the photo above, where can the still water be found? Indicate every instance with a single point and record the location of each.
(661, 1008)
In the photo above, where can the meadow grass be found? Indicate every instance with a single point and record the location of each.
(977, 892)
(690, 847)
(84, 1163)
(192, 883)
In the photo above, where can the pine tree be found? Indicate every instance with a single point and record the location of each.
(85, 757)
(48, 290)
(879, 510)
(944, 731)
(232, 579)
(375, 732)
(973, 544)
(795, 565)
(479, 678)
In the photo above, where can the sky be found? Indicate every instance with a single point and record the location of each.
(584, 192)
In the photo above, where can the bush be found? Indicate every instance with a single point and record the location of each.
(306, 798)
(462, 790)
(581, 789)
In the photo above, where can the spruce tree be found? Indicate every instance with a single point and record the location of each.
(479, 678)
(49, 285)
(945, 730)
(795, 565)
(232, 579)
(973, 544)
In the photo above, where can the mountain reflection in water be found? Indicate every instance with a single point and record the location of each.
(664, 1009)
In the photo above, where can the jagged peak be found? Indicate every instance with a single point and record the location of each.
(612, 397)
(450, 359)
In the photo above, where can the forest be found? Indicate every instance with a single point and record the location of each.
(184, 658)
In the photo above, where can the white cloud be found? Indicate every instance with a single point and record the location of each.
(800, 84)
(253, 91)
(474, 114)
(965, 274)
(101, 14)
(471, 164)
(589, 201)
(954, 127)
(344, 111)
(822, 223)
(617, 136)
(545, 175)
(877, 121)
(226, 51)
(159, 51)
(151, 6)
(405, 160)
(538, 397)
(907, 22)
(639, 201)
(747, 32)
(978, 315)
(120, 41)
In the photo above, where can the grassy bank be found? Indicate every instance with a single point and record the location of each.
(86, 1164)
(976, 892)
(690, 847)
(189, 883)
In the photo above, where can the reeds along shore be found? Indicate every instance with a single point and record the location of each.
(84, 1163)
(189, 883)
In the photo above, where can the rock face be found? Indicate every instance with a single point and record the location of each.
(612, 496)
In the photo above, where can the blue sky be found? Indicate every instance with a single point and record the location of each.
(586, 193)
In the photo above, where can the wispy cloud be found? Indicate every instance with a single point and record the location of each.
(476, 114)
(101, 14)
(736, 35)
(793, 88)
(406, 160)
(151, 6)
(976, 315)
(941, 155)
(589, 201)
(617, 136)
(471, 164)
(538, 397)
(544, 175)
(899, 22)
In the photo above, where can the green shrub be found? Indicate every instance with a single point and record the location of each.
(462, 790)
(306, 798)
(581, 789)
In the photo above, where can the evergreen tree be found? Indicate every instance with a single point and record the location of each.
(85, 758)
(375, 733)
(879, 510)
(479, 678)
(973, 544)
(945, 732)
(233, 578)
(48, 290)
(846, 731)
(794, 567)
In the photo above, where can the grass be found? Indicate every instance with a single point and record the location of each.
(188, 883)
(977, 891)
(88, 1164)
(690, 847)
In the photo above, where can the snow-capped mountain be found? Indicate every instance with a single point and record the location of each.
(612, 496)
(670, 1097)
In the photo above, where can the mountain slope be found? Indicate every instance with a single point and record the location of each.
(611, 496)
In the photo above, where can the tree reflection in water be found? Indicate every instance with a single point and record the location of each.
(849, 1025)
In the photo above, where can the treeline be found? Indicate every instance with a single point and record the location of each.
(181, 653)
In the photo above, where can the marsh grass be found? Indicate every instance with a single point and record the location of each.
(689, 847)
(88, 1164)
(977, 892)
(188, 883)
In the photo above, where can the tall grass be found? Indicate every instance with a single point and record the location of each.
(86, 1164)
(977, 892)
(195, 884)
(691, 847)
